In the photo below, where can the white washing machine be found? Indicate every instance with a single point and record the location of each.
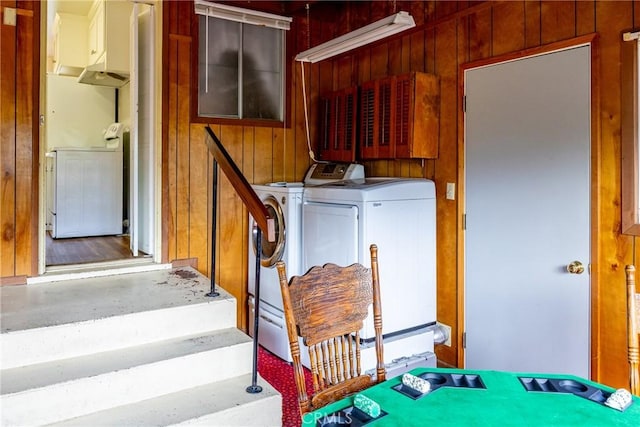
(342, 219)
(284, 203)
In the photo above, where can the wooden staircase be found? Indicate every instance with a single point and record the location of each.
(132, 349)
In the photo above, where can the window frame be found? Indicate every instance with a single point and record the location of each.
(286, 81)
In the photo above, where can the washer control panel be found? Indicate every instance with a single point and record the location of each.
(323, 173)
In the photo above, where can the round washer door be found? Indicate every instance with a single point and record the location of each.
(271, 251)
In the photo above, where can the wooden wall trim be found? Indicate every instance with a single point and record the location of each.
(596, 209)
(532, 51)
(24, 12)
(186, 262)
(630, 148)
(180, 38)
(13, 280)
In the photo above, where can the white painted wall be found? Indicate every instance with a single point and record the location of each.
(77, 114)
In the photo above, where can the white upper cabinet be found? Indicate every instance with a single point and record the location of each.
(108, 34)
(96, 32)
(70, 44)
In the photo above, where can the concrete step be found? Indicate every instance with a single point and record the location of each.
(46, 322)
(54, 391)
(139, 349)
(224, 403)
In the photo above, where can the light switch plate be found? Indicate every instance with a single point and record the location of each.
(9, 16)
(451, 191)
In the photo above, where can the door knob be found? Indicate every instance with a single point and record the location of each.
(575, 267)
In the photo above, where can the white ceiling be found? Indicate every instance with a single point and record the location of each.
(77, 7)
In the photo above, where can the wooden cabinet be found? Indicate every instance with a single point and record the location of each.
(396, 117)
(338, 125)
(399, 117)
(70, 44)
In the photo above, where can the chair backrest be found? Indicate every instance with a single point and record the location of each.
(327, 307)
(633, 328)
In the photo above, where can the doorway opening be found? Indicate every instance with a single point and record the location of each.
(99, 205)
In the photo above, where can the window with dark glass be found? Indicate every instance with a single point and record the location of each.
(240, 63)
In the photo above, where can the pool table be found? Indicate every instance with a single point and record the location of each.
(484, 398)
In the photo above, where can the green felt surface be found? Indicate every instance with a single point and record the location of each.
(504, 402)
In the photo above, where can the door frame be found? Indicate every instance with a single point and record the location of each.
(595, 202)
(156, 160)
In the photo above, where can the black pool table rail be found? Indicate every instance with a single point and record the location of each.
(566, 385)
(439, 380)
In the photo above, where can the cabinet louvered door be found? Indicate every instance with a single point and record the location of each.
(338, 126)
(346, 125)
(368, 131)
(384, 144)
(325, 126)
(376, 119)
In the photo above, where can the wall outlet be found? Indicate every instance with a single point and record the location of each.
(447, 330)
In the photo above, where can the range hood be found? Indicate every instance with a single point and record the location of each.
(99, 75)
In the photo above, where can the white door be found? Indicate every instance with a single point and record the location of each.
(141, 178)
(527, 163)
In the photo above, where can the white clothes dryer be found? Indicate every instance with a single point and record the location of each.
(341, 220)
(284, 203)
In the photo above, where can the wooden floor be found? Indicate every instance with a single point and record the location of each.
(82, 250)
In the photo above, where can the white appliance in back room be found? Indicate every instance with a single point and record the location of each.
(342, 219)
(85, 195)
(283, 200)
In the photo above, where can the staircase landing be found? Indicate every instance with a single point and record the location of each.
(54, 303)
(138, 349)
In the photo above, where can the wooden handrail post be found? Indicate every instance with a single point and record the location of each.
(249, 197)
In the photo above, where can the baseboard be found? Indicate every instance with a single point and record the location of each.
(185, 262)
(13, 280)
(442, 364)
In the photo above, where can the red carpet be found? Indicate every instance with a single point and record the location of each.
(279, 374)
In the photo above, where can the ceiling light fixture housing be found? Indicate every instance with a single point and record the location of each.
(375, 31)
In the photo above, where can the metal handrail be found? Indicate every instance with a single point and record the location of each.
(258, 211)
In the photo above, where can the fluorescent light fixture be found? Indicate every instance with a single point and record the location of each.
(369, 33)
(238, 14)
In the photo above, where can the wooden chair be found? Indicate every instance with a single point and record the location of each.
(633, 328)
(326, 307)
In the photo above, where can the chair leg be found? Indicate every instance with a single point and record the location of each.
(632, 331)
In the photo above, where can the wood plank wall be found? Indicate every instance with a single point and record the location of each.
(264, 154)
(448, 34)
(19, 148)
